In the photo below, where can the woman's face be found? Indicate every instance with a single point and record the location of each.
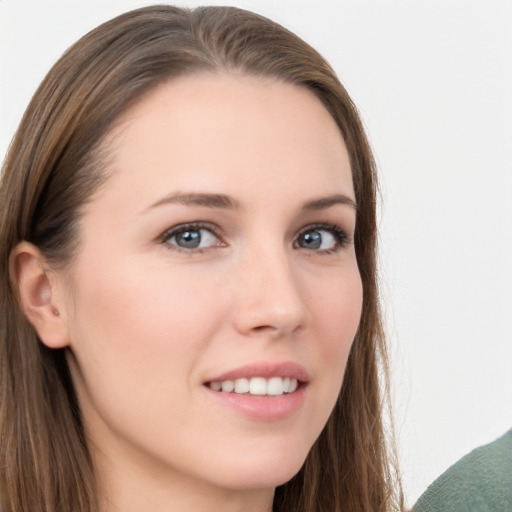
(217, 255)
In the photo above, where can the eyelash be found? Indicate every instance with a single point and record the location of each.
(192, 226)
(340, 235)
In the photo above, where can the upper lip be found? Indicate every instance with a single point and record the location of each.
(265, 369)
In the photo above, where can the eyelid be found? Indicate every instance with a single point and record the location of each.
(196, 225)
(340, 234)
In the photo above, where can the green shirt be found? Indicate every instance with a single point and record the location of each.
(479, 482)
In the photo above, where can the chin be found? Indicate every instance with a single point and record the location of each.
(265, 470)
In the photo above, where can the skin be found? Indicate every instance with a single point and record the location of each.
(147, 323)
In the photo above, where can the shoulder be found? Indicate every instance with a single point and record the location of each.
(479, 482)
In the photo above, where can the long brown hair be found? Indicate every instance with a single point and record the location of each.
(54, 165)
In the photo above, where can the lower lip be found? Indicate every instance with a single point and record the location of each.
(262, 407)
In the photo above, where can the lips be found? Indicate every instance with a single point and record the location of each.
(270, 379)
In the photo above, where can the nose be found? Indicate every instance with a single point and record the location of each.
(269, 299)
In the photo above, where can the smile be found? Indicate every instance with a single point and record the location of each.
(273, 386)
(261, 391)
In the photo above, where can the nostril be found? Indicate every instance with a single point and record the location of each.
(262, 328)
(274, 331)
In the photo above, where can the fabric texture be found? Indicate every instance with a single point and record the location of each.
(479, 482)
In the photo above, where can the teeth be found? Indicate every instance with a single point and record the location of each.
(216, 386)
(228, 386)
(258, 386)
(242, 386)
(274, 386)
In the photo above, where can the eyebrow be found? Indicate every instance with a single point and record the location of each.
(225, 202)
(220, 201)
(323, 203)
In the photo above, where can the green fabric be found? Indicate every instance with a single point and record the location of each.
(479, 482)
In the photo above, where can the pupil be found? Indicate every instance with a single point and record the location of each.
(189, 239)
(312, 240)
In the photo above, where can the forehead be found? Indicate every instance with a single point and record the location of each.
(230, 131)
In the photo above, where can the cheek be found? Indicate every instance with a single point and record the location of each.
(132, 326)
(336, 313)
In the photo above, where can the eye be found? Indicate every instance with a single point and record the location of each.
(322, 238)
(191, 237)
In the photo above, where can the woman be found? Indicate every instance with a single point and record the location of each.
(188, 278)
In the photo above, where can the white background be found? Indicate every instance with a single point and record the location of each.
(433, 81)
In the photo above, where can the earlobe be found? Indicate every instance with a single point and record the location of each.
(33, 284)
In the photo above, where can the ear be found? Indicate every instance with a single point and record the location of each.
(32, 280)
